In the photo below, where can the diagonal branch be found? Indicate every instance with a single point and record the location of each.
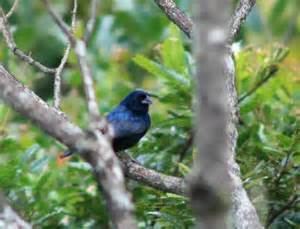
(55, 123)
(107, 169)
(240, 14)
(176, 15)
(4, 28)
(12, 9)
(79, 46)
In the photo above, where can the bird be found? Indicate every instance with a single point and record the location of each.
(129, 121)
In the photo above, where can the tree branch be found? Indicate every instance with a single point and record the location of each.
(55, 123)
(61, 24)
(152, 178)
(106, 165)
(175, 15)
(12, 9)
(59, 69)
(13, 47)
(179, 18)
(240, 14)
(79, 46)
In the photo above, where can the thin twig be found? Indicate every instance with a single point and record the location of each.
(96, 122)
(12, 9)
(60, 23)
(59, 69)
(272, 69)
(4, 27)
(57, 79)
(91, 22)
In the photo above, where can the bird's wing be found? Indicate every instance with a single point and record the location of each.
(125, 124)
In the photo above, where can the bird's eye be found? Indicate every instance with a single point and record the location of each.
(141, 97)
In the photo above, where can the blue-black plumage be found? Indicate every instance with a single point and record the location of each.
(130, 120)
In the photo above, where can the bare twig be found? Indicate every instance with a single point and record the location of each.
(13, 47)
(91, 22)
(96, 122)
(59, 69)
(57, 79)
(61, 24)
(12, 9)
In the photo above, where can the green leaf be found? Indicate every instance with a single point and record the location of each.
(30, 152)
(162, 72)
(173, 52)
(39, 165)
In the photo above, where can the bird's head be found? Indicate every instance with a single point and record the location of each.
(137, 101)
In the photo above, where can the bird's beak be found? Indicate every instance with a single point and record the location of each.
(147, 100)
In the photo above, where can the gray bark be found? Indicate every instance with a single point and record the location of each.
(243, 213)
(209, 181)
(215, 174)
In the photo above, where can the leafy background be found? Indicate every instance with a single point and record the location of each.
(135, 46)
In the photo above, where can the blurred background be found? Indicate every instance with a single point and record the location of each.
(133, 46)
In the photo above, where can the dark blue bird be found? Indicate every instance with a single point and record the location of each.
(130, 121)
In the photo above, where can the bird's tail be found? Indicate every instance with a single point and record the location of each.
(67, 153)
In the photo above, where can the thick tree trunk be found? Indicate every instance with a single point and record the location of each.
(244, 215)
(215, 179)
(209, 181)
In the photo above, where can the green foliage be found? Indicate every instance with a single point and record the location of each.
(269, 139)
(135, 46)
